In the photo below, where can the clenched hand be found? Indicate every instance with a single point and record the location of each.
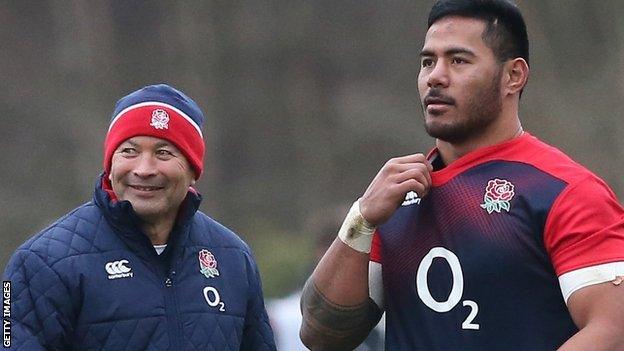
(387, 190)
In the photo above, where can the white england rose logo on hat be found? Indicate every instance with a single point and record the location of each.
(160, 119)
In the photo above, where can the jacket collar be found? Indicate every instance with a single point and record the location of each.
(127, 223)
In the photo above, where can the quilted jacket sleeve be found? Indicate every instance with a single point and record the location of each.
(257, 335)
(40, 304)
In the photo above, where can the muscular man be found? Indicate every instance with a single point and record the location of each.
(139, 267)
(494, 240)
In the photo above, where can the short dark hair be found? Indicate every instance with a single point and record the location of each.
(505, 32)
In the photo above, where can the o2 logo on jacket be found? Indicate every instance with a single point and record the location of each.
(213, 298)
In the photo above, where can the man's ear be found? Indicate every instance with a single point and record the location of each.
(516, 74)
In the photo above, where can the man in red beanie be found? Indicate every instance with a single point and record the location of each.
(139, 267)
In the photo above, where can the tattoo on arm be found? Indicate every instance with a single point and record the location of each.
(328, 326)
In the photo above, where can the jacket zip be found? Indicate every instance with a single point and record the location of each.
(171, 311)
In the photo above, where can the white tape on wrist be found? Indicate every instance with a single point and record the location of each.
(356, 231)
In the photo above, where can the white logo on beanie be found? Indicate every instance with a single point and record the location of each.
(160, 119)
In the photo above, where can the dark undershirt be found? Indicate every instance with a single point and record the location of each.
(437, 163)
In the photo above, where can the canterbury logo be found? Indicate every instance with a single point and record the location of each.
(118, 269)
(411, 198)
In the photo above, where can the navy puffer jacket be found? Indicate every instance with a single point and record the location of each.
(93, 281)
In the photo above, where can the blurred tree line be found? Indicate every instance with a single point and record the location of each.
(305, 100)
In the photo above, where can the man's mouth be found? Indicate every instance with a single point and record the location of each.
(438, 101)
(437, 104)
(145, 187)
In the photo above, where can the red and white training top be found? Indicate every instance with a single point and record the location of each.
(488, 259)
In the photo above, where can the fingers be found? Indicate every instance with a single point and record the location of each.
(419, 171)
(416, 186)
(413, 158)
(401, 164)
(387, 190)
(417, 179)
(394, 168)
(401, 170)
(405, 160)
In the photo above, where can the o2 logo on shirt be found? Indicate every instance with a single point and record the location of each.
(457, 290)
(213, 298)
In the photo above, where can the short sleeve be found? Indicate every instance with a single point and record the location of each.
(375, 253)
(375, 279)
(585, 227)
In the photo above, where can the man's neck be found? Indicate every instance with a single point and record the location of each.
(497, 133)
(158, 231)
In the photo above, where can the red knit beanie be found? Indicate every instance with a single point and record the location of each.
(158, 111)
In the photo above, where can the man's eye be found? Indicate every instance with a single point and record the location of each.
(427, 62)
(163, 152)
(459, 60)
(128, 151)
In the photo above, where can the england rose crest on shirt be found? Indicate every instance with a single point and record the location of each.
(208, 264)
(498, 193)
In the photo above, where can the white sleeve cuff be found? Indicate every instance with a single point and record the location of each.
(580, 278)
(375, 284)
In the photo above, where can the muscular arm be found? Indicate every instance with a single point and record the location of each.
(337, 310)
(598, 311)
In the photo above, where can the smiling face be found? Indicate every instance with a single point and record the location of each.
(459, 81)
(153, 175)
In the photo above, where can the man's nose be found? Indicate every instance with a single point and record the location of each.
(439, 75)
(146, 166)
